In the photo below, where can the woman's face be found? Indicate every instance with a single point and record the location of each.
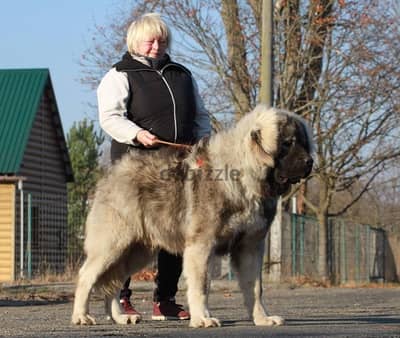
(153, 47)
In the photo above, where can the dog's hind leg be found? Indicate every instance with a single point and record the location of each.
(247, 261)
(195, 265)
(137, 258)
(88, 276)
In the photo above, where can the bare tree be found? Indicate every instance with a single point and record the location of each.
(345, 80)
(337, 65)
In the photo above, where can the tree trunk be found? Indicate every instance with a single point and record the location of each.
(237, 61)
(318, 13)
(292, 40)
(300, 206)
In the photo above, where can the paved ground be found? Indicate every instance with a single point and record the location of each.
(310, 312)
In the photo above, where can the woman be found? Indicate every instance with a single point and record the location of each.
(143, 98)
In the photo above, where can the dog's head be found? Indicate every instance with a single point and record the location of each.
(282, 140)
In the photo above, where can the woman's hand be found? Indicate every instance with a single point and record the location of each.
(146, 138)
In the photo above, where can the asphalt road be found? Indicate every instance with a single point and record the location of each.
(45, 311)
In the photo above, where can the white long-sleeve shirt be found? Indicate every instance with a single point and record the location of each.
(113, 94)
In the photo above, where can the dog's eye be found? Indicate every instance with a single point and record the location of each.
(287, 143)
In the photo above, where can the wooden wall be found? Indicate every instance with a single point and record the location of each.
(43, 163)
(7, 224)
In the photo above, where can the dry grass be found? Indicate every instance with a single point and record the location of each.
(50, 287)
(371, 285)
(306, 281)
(69, 276)
(145, 275)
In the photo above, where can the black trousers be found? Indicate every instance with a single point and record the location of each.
(168, 273)
(169, 266)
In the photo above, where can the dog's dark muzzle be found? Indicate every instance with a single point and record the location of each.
(297, 171)
(308, 165)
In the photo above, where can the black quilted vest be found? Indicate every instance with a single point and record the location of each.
(162, 98)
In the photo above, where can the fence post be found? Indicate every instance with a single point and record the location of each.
(357, 252)
(343, 267)
(294, 220)
(230, 274)
(368, 252)
(329, 249)
(301, 239)
(21, 235)
(29, 240)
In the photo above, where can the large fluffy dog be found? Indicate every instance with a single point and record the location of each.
(220, 198)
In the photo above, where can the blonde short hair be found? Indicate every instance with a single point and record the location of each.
(148, 25)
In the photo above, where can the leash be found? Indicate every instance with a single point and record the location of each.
(175, 145)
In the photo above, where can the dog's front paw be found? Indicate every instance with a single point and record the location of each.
(83, 319)
(127, 319)
(204, 322)
(269, 321)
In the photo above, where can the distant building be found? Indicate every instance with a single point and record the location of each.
(34, 170)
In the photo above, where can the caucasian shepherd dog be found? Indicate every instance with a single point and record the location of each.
(219, 198)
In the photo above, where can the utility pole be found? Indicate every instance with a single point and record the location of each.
(267, 68)
(267, 97)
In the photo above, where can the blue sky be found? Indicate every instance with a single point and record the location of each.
(53, 34)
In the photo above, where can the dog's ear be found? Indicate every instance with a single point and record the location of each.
(261, 153)
(256, 136)
(283, 122)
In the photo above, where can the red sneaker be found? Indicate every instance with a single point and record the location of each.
(127, 307)
(169, 310)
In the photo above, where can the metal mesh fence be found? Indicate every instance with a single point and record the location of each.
(355, 252)
(52, 236)
(44, 235)
(299, 246)
(76, 235)
(358, 253)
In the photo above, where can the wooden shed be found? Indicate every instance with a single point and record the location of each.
(34, 171)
